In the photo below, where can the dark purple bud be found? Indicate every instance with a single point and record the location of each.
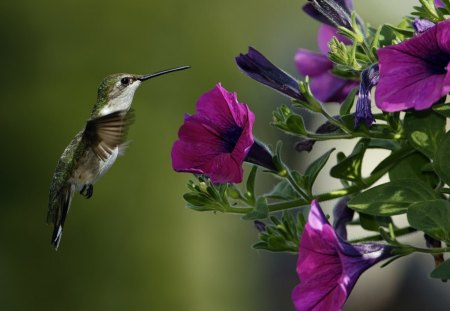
(260, 226)
(259, 68)
(342, 216)
(305, 145)
(260, 155)
(369, 78)
(335, 12)
(422, 25)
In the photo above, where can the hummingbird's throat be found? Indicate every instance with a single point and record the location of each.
(121, 100)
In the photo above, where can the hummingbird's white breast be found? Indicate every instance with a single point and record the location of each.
(91, 168)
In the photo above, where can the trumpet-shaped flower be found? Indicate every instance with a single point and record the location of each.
(217, 139)
(328, 267)
(415, 73)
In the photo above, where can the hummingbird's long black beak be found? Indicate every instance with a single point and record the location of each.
(163, 72)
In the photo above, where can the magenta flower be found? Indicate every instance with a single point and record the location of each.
(218, 139)
(325, 86)
(414, 74)
(328, 267)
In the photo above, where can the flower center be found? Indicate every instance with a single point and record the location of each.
(437, 63)
(230, 138)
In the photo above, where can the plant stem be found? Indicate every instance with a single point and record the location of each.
(378, 237)
(334, 121)
(431, 250)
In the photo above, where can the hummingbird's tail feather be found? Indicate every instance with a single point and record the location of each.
(61, 209)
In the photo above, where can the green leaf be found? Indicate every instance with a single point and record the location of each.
(441, 161)
(424, 130)
(260, 211)
(405, 32)
(373, 223)
(387, 144)
(200, 202)
(283, 191)
(442, 272)
(350, 167)
(414, 166)
(314, 169)
(347, 105)
(296, 125)
(443, 109)
(391, 198)
(431, 217)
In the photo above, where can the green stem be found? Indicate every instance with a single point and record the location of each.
(334, 121)
(294, 185)
(366, 183)
(306, 200)
(378, 237)
(431, 250)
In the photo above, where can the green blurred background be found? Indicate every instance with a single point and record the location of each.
(134, 246)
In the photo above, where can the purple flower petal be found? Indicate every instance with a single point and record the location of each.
(312, 64)
(439, 4)
(324, 85)
(329, 88)
(422, 25)
(329, 267)
(342, 216)
(216, 140)
(369, 79)
(414, 74)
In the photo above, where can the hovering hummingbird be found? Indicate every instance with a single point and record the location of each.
(95, 148)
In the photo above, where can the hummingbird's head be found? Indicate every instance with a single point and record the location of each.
(116, 91)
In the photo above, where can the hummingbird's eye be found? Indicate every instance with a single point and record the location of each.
(125, 81)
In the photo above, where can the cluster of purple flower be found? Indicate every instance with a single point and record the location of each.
(413, 74)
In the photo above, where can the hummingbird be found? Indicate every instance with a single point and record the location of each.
(96, 147)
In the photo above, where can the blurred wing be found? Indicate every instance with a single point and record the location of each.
(105, 133)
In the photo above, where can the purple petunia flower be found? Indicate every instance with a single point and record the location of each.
(324, 84)
(328, 267)
(439, 4)
(414, 74)
(218, 139)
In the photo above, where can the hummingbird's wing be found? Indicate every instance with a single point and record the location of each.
(107, 132)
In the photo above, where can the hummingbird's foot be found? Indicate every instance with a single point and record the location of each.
(87, 191)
